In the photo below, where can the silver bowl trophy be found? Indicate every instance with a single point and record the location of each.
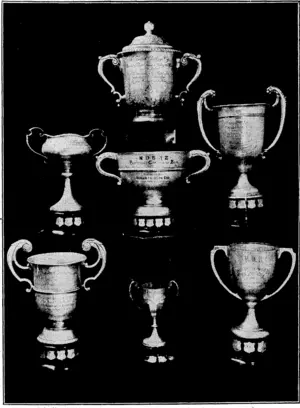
(152, 173)
(56, 282)
(149, 67)
(251, 269)
(67, 147)
(241, 130)
(154, 296)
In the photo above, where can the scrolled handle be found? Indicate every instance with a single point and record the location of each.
(198, 153)
(93, 134)
(293, 255)
(135, 293)
(12, 258)
(86, 246)
(203, 101)
(34, 133)
(184, 61)
(173, 283)
(212, 261)
(103, 156)
(116, 61)
(279, 97)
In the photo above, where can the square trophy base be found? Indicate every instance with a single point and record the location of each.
(151, 226)
(248, 351)
(160, 355)
(58, 357)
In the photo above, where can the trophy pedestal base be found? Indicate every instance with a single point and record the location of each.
(58, 358)
(148, 115)
(66, 222)
(244, 203)
(159, 358)
(248, 351)
(57, 337)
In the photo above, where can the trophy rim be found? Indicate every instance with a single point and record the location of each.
(255, 245)
(56, 258)
(240, 105)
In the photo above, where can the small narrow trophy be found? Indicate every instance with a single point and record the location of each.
(56, 282)
(154, 297)
(251, 269)
(241, 134)
(67, 147)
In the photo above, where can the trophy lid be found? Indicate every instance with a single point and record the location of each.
(148, 42)
(67, 144)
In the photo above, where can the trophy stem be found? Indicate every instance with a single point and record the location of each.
(67, 202)
(249, 329)
(244, 189)
(154, 341)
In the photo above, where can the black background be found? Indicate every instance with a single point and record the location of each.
(50, 80)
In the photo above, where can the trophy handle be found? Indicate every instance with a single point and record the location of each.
(281, 97)
(86, 246)
(184, 61)
(33, 134)
(12, 257)
(116, 61)
(293, 255)
(103, 156)
(134, 286)
(92, 134)
(197, 153)
(202, 100)
(174, 283)
(212, 261)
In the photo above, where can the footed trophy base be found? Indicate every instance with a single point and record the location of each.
(248, 351)
(148, 115)
(66, 222)
(159, 358)
(245, 202)
(58, 358)
(57, 337)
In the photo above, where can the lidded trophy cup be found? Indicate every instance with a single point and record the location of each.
(241, 134)
(152, 174)
(57, 282)
(252, 267)
(153, 295)
(149, 67)
(67, 148)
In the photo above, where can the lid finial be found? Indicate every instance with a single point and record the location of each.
(149, 27)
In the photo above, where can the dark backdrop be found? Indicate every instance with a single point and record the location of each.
(50, 80)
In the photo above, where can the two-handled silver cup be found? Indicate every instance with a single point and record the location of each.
(56, 282)
(241, 129)
(252, 267)
(152, 173)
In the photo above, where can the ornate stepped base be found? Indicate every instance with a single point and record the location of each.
(246, 203)
(60, 358)
(248, 351)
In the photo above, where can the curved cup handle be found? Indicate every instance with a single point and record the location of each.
(137, 298)
(116, 61)
(293, 255)
(93, 134)
(184, 61)
(212, 261)
(173, 283)
(279, 97)
(86, 246)
(12, 258)
(202, 100)
(103, 156)
(33, 134)
(197, 153)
